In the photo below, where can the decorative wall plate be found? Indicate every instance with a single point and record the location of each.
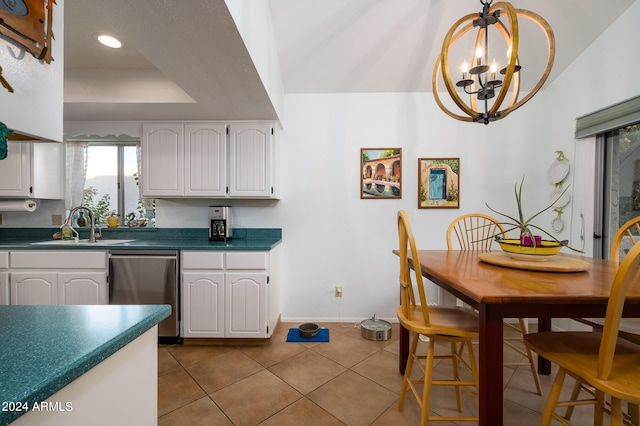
(562, 201)
(558, 171)
(557, 224)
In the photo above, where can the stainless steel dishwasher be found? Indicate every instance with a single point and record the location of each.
(147, 278)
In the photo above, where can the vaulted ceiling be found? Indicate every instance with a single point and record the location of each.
(186, 60)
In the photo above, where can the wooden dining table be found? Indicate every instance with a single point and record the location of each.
(500, 292)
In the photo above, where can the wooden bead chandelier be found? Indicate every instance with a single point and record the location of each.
(482, 82)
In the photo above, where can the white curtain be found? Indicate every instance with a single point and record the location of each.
(76, 168)
(147, 203)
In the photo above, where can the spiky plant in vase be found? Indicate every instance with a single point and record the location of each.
(529, 243)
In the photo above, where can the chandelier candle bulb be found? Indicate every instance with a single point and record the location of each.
(465, 69)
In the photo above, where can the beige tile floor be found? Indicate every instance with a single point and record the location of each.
(348, 381)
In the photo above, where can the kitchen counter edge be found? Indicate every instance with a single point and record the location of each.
(250, 239)
(246, 245)
(33, 376)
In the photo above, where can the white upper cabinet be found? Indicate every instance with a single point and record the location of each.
(162, 159)
(251, 160)
(205, 157)
(33, 170)
(208, 159)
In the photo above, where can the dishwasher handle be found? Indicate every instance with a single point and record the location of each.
(142, 256)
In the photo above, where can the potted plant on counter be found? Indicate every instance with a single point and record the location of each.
(530, 242)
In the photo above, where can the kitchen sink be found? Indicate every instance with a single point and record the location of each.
(83, 242)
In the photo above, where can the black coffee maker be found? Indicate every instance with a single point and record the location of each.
(220, 223)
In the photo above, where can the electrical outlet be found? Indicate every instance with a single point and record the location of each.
(56, 219)
(338, 291)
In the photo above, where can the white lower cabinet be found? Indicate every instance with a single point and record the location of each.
(4, 278)
(83, 288)
(203, 304)
(229, 294)
(246, 301)
(62, 277)
(4, 288)
(34, 288)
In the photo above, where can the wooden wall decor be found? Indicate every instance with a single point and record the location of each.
(29, 23)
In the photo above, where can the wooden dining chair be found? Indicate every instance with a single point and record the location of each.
(629, 327)
(476, 231)
(607, 363)
(630, 229)
(451, 325)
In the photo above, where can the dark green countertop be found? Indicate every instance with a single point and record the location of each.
(44, 348)
(259, 239)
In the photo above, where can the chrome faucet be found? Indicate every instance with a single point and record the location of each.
(92, 218)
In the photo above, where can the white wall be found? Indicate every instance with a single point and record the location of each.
(253, 19)
(35, 106)
(40, 218)
(332, 237)
(606, 73)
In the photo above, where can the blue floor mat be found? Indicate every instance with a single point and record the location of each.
(294, 336)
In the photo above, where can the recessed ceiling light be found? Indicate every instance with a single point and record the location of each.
(109, 41)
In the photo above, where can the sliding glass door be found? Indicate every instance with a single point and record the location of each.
(617, 184)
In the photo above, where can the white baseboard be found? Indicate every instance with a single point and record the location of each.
(334, 320)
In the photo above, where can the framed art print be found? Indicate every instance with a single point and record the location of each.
(380, 173)
(438, 183)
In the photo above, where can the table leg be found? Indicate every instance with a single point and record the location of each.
(403, 343)
(544, 365)
(490, 365)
